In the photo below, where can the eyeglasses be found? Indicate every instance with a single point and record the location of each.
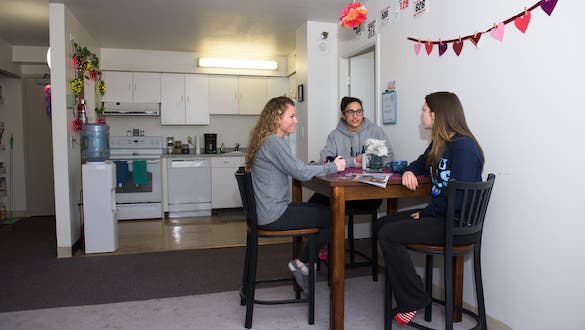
(357, 112)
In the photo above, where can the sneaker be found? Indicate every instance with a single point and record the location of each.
(298, 274)
(404, 318)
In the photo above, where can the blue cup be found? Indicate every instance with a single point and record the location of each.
(398, 165)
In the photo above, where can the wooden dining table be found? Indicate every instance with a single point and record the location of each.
(340, 188)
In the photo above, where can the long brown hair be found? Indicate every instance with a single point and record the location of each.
(449, 120)
(267, 124)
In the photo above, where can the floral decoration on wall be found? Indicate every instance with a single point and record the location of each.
(86, 66)
(353, 15)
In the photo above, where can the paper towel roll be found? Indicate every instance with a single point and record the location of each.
(198, 145)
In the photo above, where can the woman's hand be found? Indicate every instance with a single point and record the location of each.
(340, 163)
(357, 161)
(409, 180)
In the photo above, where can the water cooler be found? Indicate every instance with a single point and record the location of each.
(99, 207)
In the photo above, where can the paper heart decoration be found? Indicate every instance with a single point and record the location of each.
(442, 48)
(548, 6)
(417, 48)
(521, 22)
(429, 47)
(458, 46)
(498, 32)
(475, 38)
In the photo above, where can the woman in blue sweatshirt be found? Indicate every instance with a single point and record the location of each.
(453, 153)
(271, 162)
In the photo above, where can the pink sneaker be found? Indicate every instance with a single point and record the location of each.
(323, 254)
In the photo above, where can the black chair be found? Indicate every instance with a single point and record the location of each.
(370, 261)
(249, 281)
(466, 223)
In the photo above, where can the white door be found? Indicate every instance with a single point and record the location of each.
(252, 95)
(362, 76)
(196, 99)
(119, 86)
(38, 150)
(172, 107)
(223, 95)
(146, 87)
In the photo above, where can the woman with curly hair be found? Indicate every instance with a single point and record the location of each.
(270, 160)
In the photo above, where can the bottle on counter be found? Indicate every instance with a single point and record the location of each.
(222, 148)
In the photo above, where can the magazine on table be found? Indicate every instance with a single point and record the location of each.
(376, 179)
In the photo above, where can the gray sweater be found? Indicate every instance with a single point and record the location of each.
(273, 164)
(343, 141)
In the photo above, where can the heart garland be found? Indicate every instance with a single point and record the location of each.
(521, 21)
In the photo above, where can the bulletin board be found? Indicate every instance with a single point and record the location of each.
(389, 106)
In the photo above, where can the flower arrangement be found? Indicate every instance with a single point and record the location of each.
(376, 147)
(87, 66)
(353, 15)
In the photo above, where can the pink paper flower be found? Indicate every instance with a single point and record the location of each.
(353, 15)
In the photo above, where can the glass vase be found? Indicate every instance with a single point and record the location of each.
(375, 162)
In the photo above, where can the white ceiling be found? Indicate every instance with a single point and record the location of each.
(260, 28)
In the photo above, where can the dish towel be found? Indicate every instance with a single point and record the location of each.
(139, 172)
(122, 172)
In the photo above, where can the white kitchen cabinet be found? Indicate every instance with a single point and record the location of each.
(132, 87)
(276, 86)
(224, 188)
(184, 99)
(252, 95)
(223, 95)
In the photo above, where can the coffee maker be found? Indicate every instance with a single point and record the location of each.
(210, 140)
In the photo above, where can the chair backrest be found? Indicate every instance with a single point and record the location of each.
(244, 179)
(467, 203)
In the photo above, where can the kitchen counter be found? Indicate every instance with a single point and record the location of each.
(191, 155)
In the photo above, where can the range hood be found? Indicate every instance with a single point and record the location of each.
(131, 109)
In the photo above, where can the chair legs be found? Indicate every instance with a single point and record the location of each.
(351, 239)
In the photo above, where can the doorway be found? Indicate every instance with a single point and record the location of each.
(40, 194)
(361, 72)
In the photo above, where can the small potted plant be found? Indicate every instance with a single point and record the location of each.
(377, 150)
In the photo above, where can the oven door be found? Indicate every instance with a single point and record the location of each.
(127, 193)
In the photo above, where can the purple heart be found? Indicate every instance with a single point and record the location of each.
(548, 6)
(442, 48)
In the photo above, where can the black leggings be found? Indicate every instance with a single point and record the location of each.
(305, 215)
(394, 232)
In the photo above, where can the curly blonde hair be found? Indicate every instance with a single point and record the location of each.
(267, 124)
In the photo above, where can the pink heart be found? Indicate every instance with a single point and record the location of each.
(475, 38)
(458, 46)
(498, 32)
(417, 48)
(442, 48)
(429, 47)
(548, 6)
(521, 22)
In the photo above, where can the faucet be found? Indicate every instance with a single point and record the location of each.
(237, 147)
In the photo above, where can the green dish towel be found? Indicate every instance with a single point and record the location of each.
(139, 172)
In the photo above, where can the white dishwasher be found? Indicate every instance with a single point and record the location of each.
(189, 187)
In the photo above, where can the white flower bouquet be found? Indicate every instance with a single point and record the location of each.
(376, 147)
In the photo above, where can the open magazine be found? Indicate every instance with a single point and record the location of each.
(376, 179)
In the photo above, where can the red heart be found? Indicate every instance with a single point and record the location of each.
(429, 47)
(522, 21)
(475, 38)
(458, 46)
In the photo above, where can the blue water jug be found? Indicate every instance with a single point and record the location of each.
(95, 144)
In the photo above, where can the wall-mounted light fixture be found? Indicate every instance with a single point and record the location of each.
(233, 63)
(49, 57)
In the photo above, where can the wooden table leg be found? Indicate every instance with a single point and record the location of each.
(337, 258)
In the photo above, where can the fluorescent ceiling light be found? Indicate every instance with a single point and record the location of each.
(237, 63)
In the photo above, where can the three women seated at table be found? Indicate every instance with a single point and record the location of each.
(453, 153)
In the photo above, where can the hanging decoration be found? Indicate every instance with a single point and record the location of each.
(46, 94)
(520, 20)
(353, 15)
(86, 66)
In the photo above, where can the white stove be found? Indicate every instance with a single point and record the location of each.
(138, 176)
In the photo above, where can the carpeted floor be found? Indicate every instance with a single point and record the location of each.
(33, 278)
